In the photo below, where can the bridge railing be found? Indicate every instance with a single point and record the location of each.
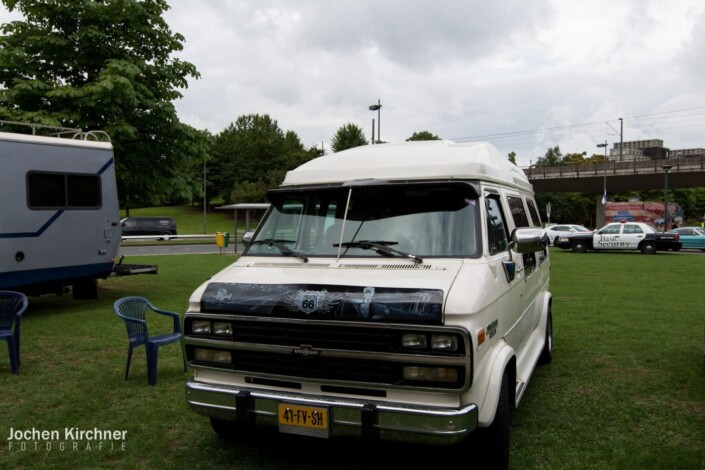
(616, 168)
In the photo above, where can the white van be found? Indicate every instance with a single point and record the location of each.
(396, 291)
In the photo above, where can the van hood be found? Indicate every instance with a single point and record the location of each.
(349, 290)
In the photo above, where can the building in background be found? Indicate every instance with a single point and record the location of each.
(651, 149)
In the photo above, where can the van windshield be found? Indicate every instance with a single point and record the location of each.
(388, 220)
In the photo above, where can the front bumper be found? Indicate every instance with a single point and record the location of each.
(348, 417)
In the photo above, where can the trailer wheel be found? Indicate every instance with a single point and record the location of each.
(86, 289)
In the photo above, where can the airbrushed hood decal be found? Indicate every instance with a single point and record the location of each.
(330, 302)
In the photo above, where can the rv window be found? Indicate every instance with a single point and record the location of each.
(63, 191)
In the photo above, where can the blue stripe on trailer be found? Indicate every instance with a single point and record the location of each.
(38, 233)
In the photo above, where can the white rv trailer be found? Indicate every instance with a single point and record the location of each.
(59, 222)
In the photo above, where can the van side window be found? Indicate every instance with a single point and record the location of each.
(536, 222)
(49, 190)
(496, 226)
(516, 205)
(535, 218)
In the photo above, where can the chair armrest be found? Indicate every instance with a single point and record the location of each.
(133, 320)
(174, 315)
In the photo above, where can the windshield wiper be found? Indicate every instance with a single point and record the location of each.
(283, 249)
(380, 246)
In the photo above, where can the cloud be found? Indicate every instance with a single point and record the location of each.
(525, 76)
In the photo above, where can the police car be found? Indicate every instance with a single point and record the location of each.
(623, 236)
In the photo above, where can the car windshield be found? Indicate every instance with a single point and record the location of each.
(580, 228)
(386, 220)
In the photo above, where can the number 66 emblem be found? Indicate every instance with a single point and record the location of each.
(309, 301)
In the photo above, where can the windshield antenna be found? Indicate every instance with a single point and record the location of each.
(342, 229)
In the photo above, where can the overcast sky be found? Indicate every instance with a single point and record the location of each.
(523, 75)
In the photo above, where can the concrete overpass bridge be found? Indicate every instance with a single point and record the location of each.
(686, 172)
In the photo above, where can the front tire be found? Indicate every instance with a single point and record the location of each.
(496, 438)
(547, 353)
(579, 246)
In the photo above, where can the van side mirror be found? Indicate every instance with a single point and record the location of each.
(247, 237)
(524, 240)
(528, 240)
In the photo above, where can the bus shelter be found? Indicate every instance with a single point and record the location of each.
(247, 208)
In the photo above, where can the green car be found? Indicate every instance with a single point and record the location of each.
(691, 237)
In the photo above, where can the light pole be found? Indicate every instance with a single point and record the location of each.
(604, 184)
(621, 139)
(204, 196)
(666, 169)
(377, 107)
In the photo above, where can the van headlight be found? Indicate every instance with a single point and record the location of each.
(201, 327)
(221, 328)
(444, 342)
(441, 342)
(212, 355)
(414, 341)
(431, 374)
(207, 327)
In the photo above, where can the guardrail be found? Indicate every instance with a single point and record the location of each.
(170, 237)
(686, 164)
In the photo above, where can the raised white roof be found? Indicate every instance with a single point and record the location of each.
(427, 160)
(37, 139)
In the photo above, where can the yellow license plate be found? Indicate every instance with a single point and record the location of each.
(307, 420)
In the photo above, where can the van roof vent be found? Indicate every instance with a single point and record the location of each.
(290, 265)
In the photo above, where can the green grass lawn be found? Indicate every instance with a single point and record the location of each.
(626, 388)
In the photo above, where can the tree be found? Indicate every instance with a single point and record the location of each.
(348, 136)
(423, 135)
(105, 66)
(553, 157)
(512, 157)
(252, 155)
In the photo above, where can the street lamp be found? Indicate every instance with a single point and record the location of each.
(205, 199)
(604, 183)
(377, 107)
(666, 168)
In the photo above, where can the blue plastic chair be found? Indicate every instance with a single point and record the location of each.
(133, 310)
(12, 306)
